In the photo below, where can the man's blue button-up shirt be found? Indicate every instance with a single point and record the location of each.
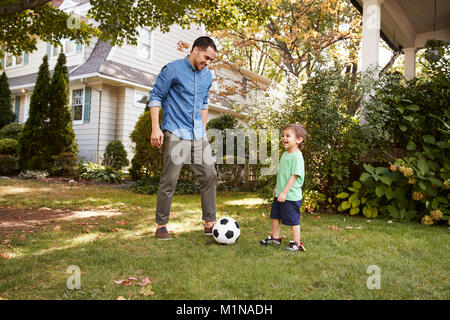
(182, 91)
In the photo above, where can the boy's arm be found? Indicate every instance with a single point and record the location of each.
(289, 184)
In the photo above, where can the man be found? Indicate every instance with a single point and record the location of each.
(182, 91)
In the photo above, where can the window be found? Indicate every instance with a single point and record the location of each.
(13, 61)
(140, 98)
(145, 44)
(77, 104)
(69, 47)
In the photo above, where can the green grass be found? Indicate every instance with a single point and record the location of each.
(413, 259)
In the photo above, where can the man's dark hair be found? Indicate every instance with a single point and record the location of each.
(203, 43)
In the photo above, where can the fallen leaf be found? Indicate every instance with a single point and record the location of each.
(144, 282)
(57, 228)
(4, 255)
(146, 291)
(122, 222)
(121, 298)
(171, 215)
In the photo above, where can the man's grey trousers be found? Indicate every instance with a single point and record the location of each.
(197, 154)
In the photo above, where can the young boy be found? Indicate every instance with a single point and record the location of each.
(288, 190)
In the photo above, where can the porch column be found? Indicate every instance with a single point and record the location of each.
(370, 43)
(371, 34)
(410, 63)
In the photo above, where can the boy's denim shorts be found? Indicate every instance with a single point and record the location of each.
(288, 212)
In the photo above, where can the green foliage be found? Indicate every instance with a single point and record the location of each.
(32, 149)
(11, 130)
(33, 174)
(147, 159)
(63, 139)
(115, 155)
(64, 164)
(92, 171)
(414, 117)
(335, 140)
(8, 146)
(6, 114)
(8, 164)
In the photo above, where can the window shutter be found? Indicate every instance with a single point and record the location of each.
(17, 107)
(49, 50)
(87, 105)
(25, 58)
(2, 60)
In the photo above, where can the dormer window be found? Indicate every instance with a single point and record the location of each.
(68, 47)
(144, 50)
(13, 61)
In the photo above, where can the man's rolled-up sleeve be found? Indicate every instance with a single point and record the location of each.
(206, 99)
(162, 86)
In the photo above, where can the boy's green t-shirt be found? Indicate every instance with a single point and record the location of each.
(291, 163)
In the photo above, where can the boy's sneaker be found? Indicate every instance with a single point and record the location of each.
(209, 230)
(162, 234)
(271, 240)
(295, 246)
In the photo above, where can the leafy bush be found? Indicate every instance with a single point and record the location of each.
(147, 160)
(33, 174)
(413, 116)
(8, 164)
(11, 130)
(8, 146)
(92, 171)
(115, 155)
(335, 140)
(64, 164)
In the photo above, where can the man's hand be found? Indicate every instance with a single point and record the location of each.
(282, 197)
(157, 138)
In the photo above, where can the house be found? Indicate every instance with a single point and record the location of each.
(404, 24)
(109, 85)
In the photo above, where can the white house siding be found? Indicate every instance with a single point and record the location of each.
(87, 132)
(164, 49)
(108, 118)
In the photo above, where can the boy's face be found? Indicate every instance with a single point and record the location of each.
(289, 140)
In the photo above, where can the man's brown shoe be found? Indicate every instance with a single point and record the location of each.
(162, 234)
(208, 230)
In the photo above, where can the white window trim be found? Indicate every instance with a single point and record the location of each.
(14, 61)
(150, 43)
(82, 105)
(138, 104)
(67, 55)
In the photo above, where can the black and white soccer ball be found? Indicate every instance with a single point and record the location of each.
(226, 230)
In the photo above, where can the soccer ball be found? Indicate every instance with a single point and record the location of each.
(226, 230)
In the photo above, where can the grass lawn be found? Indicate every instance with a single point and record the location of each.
(115, 248)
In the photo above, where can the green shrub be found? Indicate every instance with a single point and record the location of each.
(64, 164)
(8, 164)
(414, 117)
(92, 171)
(11, 130)
(147, 160)
(115, 155)
(33, 174)
(8, 146)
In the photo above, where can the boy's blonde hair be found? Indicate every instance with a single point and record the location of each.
(299, 131)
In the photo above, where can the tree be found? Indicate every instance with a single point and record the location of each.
(32, 149)
(62, 139)
(22, 22)
(6, 114)
(297, 38)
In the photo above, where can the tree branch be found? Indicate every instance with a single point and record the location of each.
(22, 5)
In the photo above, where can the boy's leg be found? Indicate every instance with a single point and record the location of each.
(276, 226)
(296, 233)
